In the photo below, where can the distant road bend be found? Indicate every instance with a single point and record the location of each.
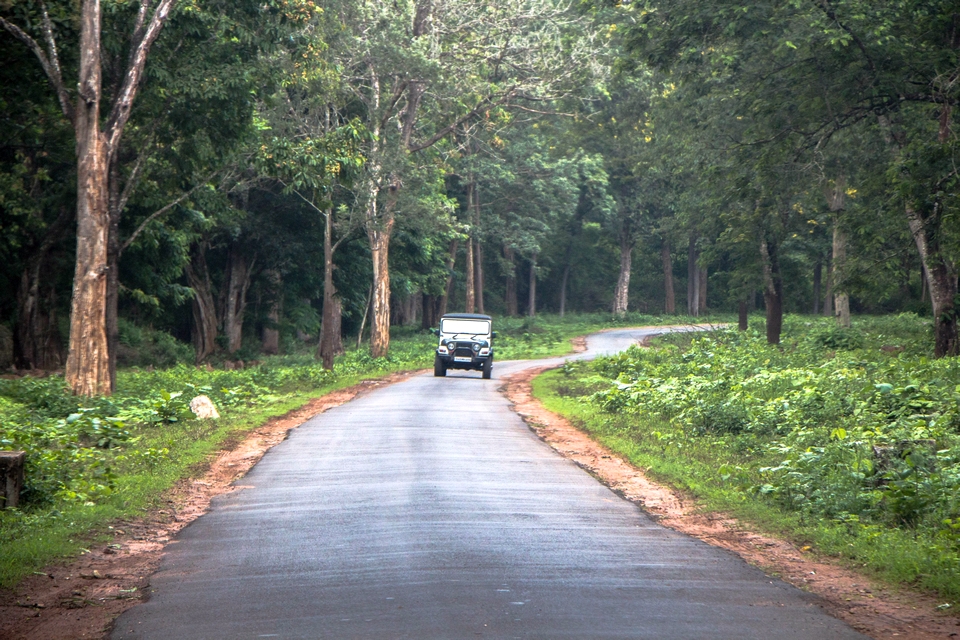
(428, 510)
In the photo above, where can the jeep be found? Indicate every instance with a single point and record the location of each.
(466, 342)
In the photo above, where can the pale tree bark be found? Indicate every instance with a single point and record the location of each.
(270, 337)
(836, 200)
(532, 297)
(205, 321)
(841, 299)
(88, 368)
(772, 290)
(510, 256)
(88, 357)
(621, 297)
(669, 296)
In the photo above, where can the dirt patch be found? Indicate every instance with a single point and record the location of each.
(874, 610)
(82, 597)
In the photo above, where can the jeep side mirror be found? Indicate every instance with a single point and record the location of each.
(435, 332)
(493, 335)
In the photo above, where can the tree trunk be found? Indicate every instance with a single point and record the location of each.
(836, 198)
(772, 291)
(470, 305)
(621, 297)
(702, 295)
(428, 307)
(478, 274)
(927, 229)
(828, 296)
(88, 361)
(817, 282)
(532, 299)
(237, 282)
(941, 283)
(669, 296)
(477, 279)
(270, 338)
(331, 341)
(379, 229)
(841, 299)
(113, 269)
(509, 254)
(366, 314)
(380, 299)
(204, 332)
(448, 290)
(37, 343)
(742, 316)
(563, 288)
(693, 277)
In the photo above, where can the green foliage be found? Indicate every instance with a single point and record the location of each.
(835, 428)
(143, 346)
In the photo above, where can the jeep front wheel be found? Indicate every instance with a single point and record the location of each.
(487, 368)
(439, 368)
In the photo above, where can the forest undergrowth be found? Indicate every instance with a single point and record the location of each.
(92, 461)
(845, 440)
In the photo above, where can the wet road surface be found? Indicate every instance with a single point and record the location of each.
(428, 510)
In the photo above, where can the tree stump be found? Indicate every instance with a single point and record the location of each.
(11, 477)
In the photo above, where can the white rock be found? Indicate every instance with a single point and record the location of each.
(203, 408)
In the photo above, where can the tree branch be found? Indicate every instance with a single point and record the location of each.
(439, 135)
(159, 212)
(394, 99)
(123, 103)
(832, 14)
(132, 180)
(51, 68)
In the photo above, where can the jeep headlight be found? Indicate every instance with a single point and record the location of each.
(476, 346)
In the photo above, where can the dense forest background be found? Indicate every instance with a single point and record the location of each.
(276, 176)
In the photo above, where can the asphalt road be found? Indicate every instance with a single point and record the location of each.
(428, 510)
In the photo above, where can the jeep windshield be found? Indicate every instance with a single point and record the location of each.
(465, 326)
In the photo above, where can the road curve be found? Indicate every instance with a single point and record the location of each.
(428, 510)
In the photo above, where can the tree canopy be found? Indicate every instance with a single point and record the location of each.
(270, 177)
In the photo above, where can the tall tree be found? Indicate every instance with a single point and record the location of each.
(88, 359)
